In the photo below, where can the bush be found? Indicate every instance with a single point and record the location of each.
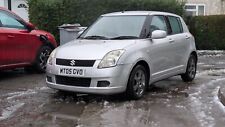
(48, 14)
(209, 31)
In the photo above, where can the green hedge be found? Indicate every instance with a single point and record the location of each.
(209, 31)
(48, 14)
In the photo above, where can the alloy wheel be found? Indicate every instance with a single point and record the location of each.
(139, 82)
(192, 68)
(43, 58)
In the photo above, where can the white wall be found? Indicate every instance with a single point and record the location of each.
(213, 7)
(22, 12)
(6, 3)
(2, 3)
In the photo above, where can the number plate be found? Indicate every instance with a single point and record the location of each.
(71, 71)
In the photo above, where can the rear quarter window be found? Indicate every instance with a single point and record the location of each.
(175, 24)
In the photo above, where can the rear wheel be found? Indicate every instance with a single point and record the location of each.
(190, 73)
(137, 82)
(41, 59)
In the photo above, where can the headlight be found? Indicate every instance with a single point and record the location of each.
(111, 59)
(51, 57)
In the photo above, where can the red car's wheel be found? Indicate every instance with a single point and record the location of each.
(41, 59)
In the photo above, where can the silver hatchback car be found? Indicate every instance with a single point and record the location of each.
(124, 52)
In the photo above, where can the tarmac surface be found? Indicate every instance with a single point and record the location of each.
(25, 101)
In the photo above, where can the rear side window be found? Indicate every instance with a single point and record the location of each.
(175, 24)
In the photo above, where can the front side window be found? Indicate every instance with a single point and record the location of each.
(175, 24)
(111, 27)
(158, 23)
(9, 21)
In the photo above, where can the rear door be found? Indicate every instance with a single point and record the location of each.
(179, 42)
(13, 34)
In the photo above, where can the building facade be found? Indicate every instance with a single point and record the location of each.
(17, 6)
(205, 7)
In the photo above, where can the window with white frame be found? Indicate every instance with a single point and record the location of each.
(195, 9)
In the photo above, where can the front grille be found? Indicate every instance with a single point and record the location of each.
(73, 81)
(75, 63)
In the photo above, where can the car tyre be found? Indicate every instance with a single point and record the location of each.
(190, 73)
(41, 59)
(137, 83)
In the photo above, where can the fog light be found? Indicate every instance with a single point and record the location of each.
(103, 84)
(49, 79)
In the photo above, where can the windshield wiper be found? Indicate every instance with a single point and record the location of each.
(96, 37)
(124, 37)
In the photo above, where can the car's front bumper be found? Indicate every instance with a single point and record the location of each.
(116, 76)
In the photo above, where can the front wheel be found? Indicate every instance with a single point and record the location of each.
(41, 59)
(190, 73)
(137, 82)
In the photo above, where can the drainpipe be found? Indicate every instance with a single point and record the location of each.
(222, 7)
(9, 4)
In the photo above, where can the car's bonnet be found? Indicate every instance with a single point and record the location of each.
(90, 49)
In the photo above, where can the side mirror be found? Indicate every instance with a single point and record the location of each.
(158, 34)
(82, 29)
(30, 26)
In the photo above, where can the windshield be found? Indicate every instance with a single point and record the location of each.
(115, 27)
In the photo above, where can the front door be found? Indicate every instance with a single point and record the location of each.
(14, 35)
(161, 52)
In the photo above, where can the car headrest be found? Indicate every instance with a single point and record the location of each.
(0, 23)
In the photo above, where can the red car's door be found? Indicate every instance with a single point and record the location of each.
(4, 54)
(14, 35)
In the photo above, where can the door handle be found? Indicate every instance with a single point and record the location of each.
(11, 36)
(171, 40)
(187, 37)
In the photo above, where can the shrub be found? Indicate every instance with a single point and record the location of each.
(209, 31)
(48, 14)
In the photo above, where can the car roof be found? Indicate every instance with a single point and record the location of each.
(139, 13)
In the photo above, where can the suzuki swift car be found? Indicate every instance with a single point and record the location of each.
(124, 52)
(21, 45)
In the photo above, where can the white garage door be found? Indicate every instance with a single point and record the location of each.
(20, 7)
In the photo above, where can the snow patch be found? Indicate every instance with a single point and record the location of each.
(210, 72)
(217, 100)
(211, 53)
(199, 106)
(6, 113)
(200, 63)
(22, 93)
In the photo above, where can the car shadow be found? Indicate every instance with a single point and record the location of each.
(171, 86)
(13, 74)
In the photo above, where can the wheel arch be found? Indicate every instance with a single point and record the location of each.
(46, 42)
(143, 63)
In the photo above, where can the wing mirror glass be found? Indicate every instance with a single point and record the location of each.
(159, 34)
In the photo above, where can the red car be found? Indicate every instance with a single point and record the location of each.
(21, 45)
